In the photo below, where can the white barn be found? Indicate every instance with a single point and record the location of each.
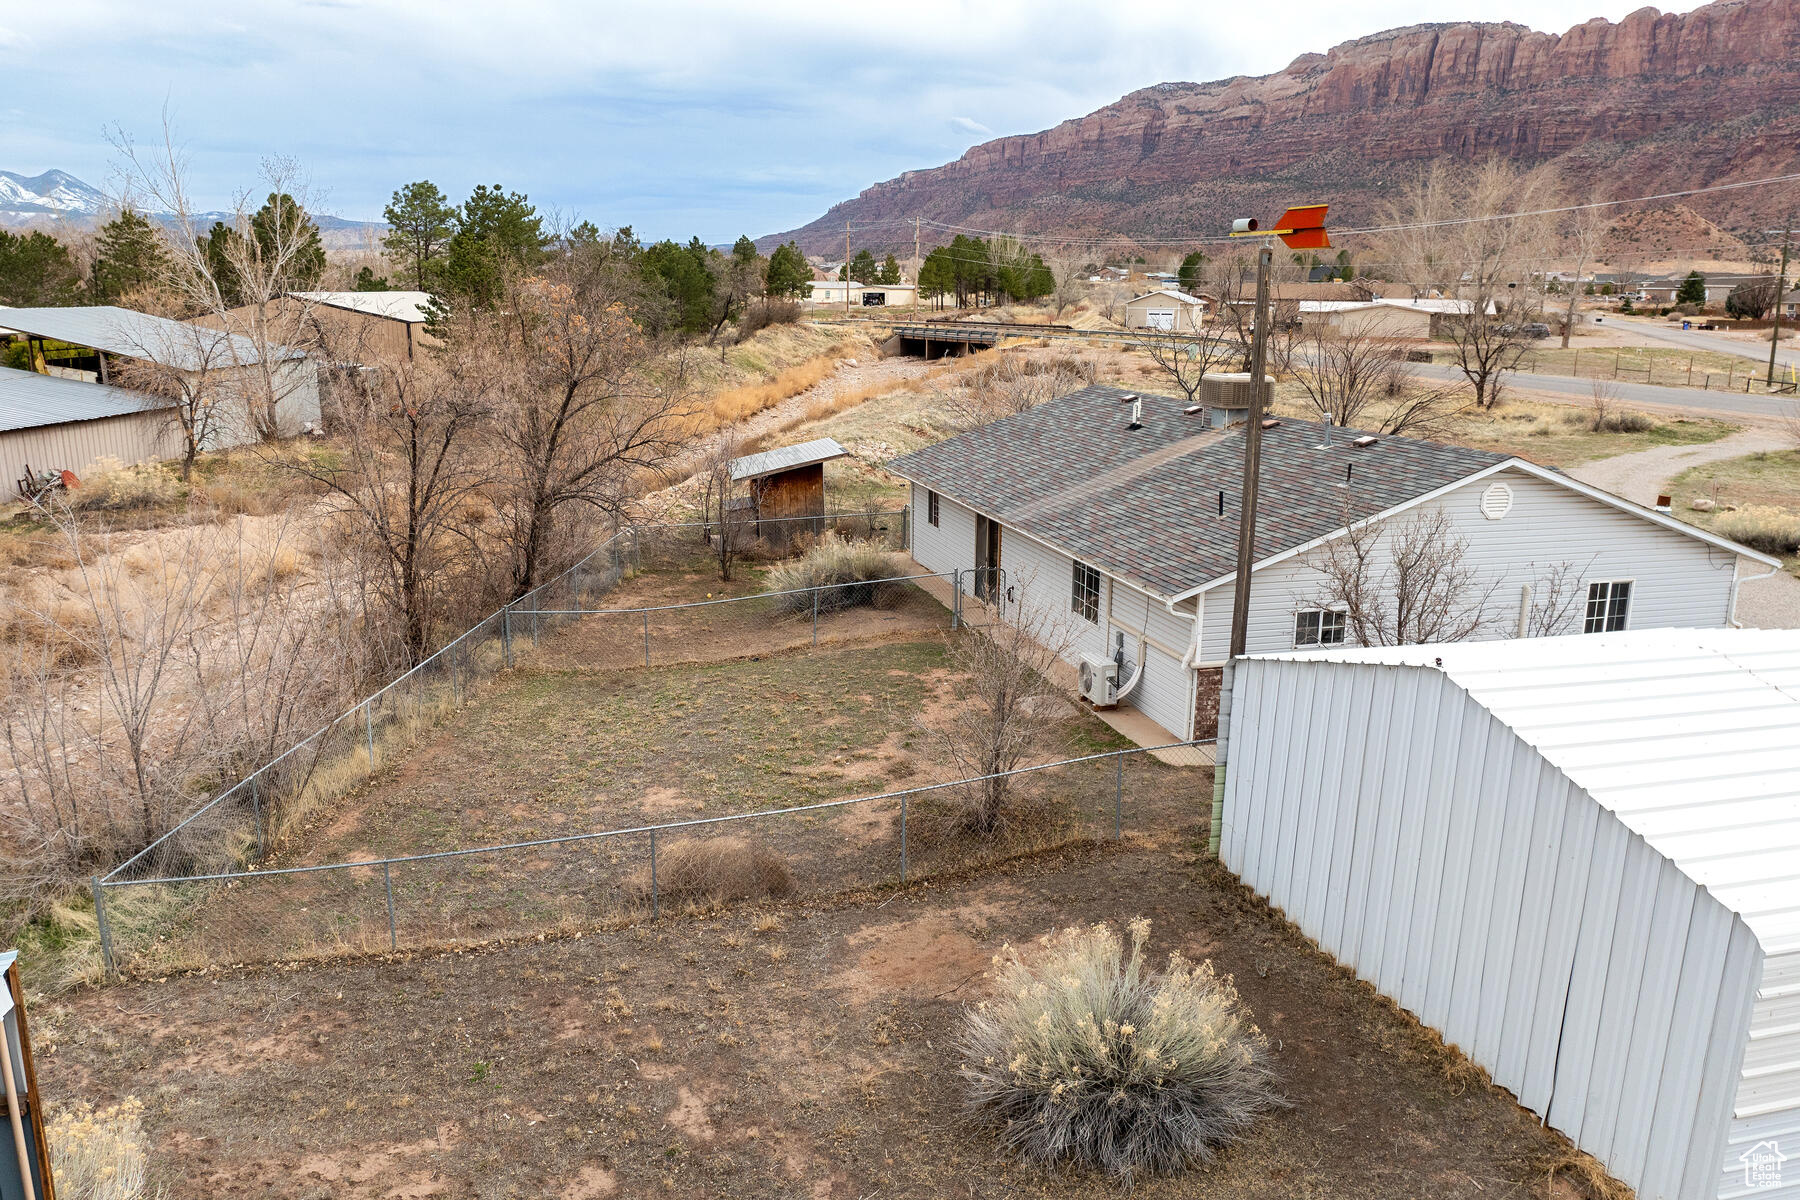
(1578, 858)
(1126, 535)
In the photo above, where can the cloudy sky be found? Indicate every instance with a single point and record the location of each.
(677, 117)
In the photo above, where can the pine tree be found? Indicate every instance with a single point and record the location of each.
(789, 273)
(419, 219)
(217, 246)
(1192, 273)
(862, 267)
(496, 232)
(281, 225)
(1693, 289)
(890, 271)
(36, 270)
(367, 281)
(129, 256)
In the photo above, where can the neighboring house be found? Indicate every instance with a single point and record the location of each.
(1790, 305)
(53, 424)
(92, 343)
(865, 295)
(1577, 858)
(1165, 309)
(1386, 317)
(1128, 536)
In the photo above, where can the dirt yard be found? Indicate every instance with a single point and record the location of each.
(805, 1050)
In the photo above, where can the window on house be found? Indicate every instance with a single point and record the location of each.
(1084, 592)
(1318, 627)
(931, 508)
(1608, 606)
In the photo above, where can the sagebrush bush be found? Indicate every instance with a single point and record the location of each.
(1762, 527)
(118, 488)
(712, 870)
(764, 313)
(1086, 1058)
(98, 1154)
(831, 563)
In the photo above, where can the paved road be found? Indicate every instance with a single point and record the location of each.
(1695, 339)
(1723, 404)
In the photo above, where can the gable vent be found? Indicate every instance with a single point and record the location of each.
(1497, 501)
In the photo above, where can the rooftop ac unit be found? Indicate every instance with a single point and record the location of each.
(1099, 680)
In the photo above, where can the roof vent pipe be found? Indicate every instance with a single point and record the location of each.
(1326, 445)
(1137, 413)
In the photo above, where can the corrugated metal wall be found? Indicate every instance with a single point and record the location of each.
(1424, 844)
(78, 445)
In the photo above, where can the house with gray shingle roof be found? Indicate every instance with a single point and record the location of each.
(1124, 533)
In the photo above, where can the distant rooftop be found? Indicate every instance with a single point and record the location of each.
(395, 306)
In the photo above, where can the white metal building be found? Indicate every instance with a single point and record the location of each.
(1576, 857)
(1167, 309)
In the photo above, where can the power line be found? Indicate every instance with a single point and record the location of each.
(1219, 239)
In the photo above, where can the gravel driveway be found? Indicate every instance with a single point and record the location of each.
(1772, 603)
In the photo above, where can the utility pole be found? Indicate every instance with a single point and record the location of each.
(1301, 228)
(915, 268)
(846, 268)
(1780, 291)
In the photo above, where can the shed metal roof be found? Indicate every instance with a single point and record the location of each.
(130, 334)
(786, 458)
(29, 400)
(1170, 293)
(1691, 737)
(395, 306)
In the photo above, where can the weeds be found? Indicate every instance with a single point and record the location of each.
(716, 870)
(1086, 1058)
(1761, 527)
(99, 1154)
(833, 563)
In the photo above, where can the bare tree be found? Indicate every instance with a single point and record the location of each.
(404, 480)
(724, 513)
(1010, 705)
(1584, 232)
(242, 279)
(1068, 272)
(1456, 233)
(185, 369)
(1603, 398)
(584, 406)
(1555, 600)
(1357, 378)
(1404, 581)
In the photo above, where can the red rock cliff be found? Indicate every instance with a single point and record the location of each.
(1657, 102)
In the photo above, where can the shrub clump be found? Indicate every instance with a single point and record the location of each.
(119, 488)
(715, 870)
(98, 1154)
(1086, 1058)
(1761, 527)
(845, 570)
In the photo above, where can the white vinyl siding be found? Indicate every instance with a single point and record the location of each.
(1423, 843)
(950, 544)
(1680, 581)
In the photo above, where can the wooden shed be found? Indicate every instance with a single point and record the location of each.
(786, 484)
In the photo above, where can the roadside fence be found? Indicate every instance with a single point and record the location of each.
(641, 871)
(242, 821)
(1666, 372)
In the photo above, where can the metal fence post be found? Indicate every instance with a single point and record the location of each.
(1118, 793)
(256, 808)
(655, 904)
(815, 616)
(506, 635)
(903, 839)
(646, 637)
(387, 878)
(956, 598)
(106, 953)
(369, 729)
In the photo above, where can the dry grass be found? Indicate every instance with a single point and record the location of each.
(1761, 527)
(715, 870)
(738, 403)
(120, 488)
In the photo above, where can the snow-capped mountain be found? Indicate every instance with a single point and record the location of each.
(52, 194)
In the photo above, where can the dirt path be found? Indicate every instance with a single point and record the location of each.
(1772, 603)
(869, 370)
(1642, 476)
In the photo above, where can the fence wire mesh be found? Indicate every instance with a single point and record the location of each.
(597, 879)
(238, 824)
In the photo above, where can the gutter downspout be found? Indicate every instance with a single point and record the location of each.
(1731, 619)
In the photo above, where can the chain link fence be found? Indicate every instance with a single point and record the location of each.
(240, 823)
(581, 881)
